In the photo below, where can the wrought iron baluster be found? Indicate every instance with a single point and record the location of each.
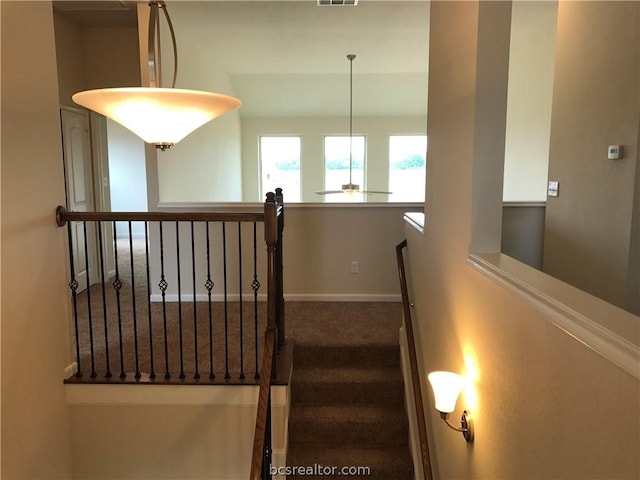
(268, 452)
(133, 304)
(152, 371)
(255, 286)
(226, 304)
(163, 290)
(73, 285)
(117, 285)
(182, 375)
(240, 300)
(89, 310)
(196, 374)
(209, 286)
(108, 374)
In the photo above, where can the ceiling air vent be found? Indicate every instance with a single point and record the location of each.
(337, 3)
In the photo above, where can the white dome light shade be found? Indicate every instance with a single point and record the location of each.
(161, 116)
(446, 389)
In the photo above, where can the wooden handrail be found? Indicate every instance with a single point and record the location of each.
(413, 361)
(262, 415)
(63, 216)
(273, 211)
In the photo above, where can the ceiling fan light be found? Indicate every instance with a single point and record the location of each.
(350, 188)
(160, 116)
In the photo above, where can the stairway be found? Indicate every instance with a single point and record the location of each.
(347, 402)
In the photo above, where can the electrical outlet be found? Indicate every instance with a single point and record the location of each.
(355, 267)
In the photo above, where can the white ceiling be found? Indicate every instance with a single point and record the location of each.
(288, 58)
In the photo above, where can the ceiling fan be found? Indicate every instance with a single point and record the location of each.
(351, 188)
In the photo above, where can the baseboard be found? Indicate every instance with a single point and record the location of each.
(339, 297)
(71, 370)
(203, 297)
(294, 297)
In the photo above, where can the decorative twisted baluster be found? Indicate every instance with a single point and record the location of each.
(255, 286)
(117, 286)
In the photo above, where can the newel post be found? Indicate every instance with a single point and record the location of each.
(271, 239)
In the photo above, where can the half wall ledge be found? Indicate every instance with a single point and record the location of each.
(608, 330)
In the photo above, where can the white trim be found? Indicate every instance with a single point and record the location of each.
(174, 395)
(610, 344)
(526, 204)
(203, 297)
(294, 297)
(416, 220)
(257, 207)
(70, 370)
(339, 297)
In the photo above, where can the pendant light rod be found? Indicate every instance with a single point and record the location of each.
(154, 54)
(351, 57)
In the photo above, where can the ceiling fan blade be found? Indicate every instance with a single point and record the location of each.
(329, 192)
(369, 192)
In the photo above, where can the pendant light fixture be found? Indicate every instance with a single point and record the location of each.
(160, 116)
(350, 188)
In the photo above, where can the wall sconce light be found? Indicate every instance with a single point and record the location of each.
(446, 389)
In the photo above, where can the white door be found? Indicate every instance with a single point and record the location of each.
(76, 145)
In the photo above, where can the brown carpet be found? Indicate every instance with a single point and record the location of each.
(347, 395)
(170, 349)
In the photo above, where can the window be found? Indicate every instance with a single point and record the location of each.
(337, 153)
(280, 166)
(407, 167)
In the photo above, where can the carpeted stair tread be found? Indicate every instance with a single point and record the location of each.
(348, 375)
(383, 462)
(333, 356)
(352, 425)
(347, 393)
(348, 386)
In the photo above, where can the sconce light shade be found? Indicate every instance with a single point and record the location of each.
(160, 116)
(446, 389)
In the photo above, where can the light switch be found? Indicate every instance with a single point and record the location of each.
(552, 189)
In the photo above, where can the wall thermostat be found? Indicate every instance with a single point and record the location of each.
(614, 152)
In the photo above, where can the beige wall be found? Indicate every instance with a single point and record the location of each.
(35, 312)
(171, 432)
(312, 131)
(320, 242)
(94, 57)
(531, 63)
(206, 166)
(541, 400)
(595, 104)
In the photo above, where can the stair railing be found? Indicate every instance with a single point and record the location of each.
(135, 346)
(413, 361)
(261, 460)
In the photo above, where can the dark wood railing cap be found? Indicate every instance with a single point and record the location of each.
(63, 216)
